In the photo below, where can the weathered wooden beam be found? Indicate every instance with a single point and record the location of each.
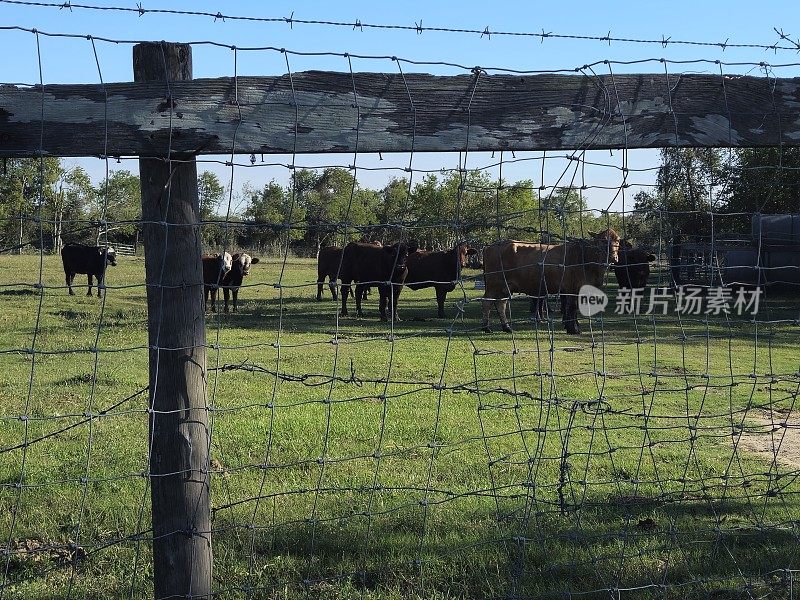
(371, 112)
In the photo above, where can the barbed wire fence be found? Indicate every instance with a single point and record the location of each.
(652, 455)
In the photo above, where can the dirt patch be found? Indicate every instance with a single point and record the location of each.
(777, 436)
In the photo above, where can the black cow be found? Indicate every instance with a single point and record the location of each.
(440, 270)
(328, 261)
(89, 260)
(633, 268)
(367, 264)
(215, 268)
(233, 279)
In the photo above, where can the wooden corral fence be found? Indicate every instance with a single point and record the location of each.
(167, 119)
(124, 249)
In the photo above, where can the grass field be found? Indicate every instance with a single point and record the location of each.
(644, 457)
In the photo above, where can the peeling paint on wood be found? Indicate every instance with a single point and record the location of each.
(437, 113)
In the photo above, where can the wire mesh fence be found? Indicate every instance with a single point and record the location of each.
(653, 454)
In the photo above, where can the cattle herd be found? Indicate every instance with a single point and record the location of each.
(509, 266)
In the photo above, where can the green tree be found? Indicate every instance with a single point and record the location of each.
(336, 207)
(515, 212)
(275, 218)
(689, 182)
(765, 180)
(27, 188)
(564, 214)
(71, 201)
(118, 201)
(646, 224)
(393, 212)
(211, 194)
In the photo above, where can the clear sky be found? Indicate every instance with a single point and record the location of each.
(72, 60)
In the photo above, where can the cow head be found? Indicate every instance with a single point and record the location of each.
(225, 261)
(399, 254)
(463, 251)
(111, 255)
(633, 268)
(608, 241)
(243, 262)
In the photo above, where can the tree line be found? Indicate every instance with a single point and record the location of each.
(44, 203)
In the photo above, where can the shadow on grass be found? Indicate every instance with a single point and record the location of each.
(673, 551)
(419, 318)
(459, 548)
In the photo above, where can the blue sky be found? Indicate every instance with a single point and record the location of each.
(73, 60)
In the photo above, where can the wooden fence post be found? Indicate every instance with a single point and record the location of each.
(179, 434)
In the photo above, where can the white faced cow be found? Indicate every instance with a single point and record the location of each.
(226, 272)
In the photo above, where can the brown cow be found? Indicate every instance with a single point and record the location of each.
(535, 270)
(633, 268)
(367, 264)
(440, 270)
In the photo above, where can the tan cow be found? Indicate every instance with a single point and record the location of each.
(540, 269)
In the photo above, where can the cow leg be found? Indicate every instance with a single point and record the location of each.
(101, 284)
(396, 289)
(320, 285)
(359, 296)
(569, 310)
(214, 299)
(70, 278)
(383, 300)
(235, 294)
(502, 307)
(538, 306)
(91, 281)
(487, 309)
(205, 297)
(441, 296)
(344, 293)
(226, 294)
(332, 286)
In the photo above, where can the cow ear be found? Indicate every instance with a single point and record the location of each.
(651, 257)
(235, 257)
(254, 260)
(591, 234)
(471, 251)
(412, 247)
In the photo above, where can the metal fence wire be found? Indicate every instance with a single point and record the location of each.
(654, 455)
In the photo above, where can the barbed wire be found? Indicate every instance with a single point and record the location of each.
(418, 27)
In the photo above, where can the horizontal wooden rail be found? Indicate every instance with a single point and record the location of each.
(377, 112)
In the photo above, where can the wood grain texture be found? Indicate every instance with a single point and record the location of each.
(320, 112)
(179, 434)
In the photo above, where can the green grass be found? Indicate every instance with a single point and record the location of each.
(544, 463)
